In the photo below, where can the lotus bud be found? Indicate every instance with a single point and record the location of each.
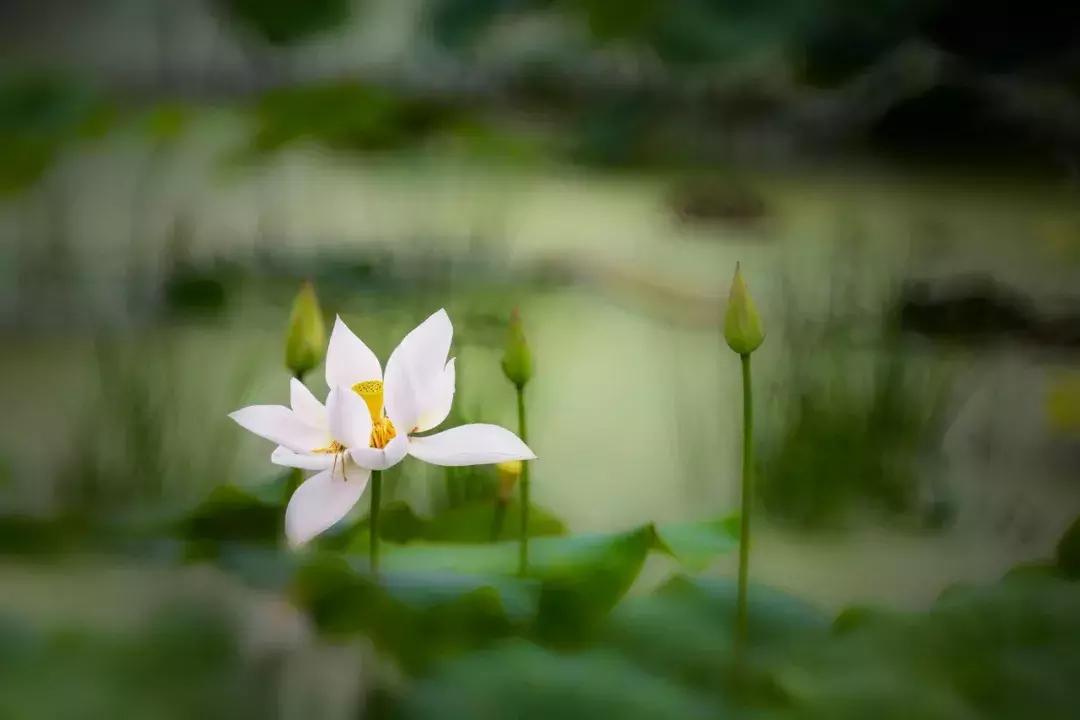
(742, 326)
(1063, 404)
(509, 472)
(517, 360)
(305, 342)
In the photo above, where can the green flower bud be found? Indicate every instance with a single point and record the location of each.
(305, 342)
(742, 326)
(509, 472)
(517, 360)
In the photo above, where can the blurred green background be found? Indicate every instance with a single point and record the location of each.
(897, 180)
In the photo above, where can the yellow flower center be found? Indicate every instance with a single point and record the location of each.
(382, 430)
(371, 391)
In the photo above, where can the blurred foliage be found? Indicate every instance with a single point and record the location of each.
(614, 133)
(475, 640)
(455, 24)
(346, 116)
(831, 41)
(349, 116)
(694, 544)
(193, 290)
(483, 141)
(185, 661)
(168, 122)
(254, 516)
(847, 37)
(859, 416)
(201, 292)
(694, 32)
(686, 31)
(229, 514)
(845, 448)
(802, 46)
(574, 582)
(1008, 650)
(471, 523)
(41, 115)
(289, 22)
(1068, 552)
(1004, 651)
(415, 619)
(684, 631)
(440, 592)
(526, 682)
(443, 589)
(125, 457)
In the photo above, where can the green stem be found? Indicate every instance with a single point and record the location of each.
(376, 501)
(523, 553)
(744, 517)
(497, 519)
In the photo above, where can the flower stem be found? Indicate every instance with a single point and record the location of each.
(376, 501)
(744, 516)
(523, 553)
(498, 518)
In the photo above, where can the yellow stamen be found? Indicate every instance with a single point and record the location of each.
(382, 430)
(338, 451)
(334, 448)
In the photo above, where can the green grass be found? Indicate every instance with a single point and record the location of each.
(860, 413)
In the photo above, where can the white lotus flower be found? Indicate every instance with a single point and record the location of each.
(362, 427)
(311, 437)
(417, 393)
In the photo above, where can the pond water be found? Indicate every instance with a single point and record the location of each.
(635, 406)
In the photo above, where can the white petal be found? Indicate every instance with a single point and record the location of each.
(282, 425)
(413, 368)
(321, 501)
(287, 458)
(375, 459)
(348, 359)
(305, 405)
(440, 398)
(349, 417)
(477, 444)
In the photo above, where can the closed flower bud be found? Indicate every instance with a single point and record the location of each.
(742, 326)
(509, 472)
(517, 360)
(305, 342)
(1063, 404)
